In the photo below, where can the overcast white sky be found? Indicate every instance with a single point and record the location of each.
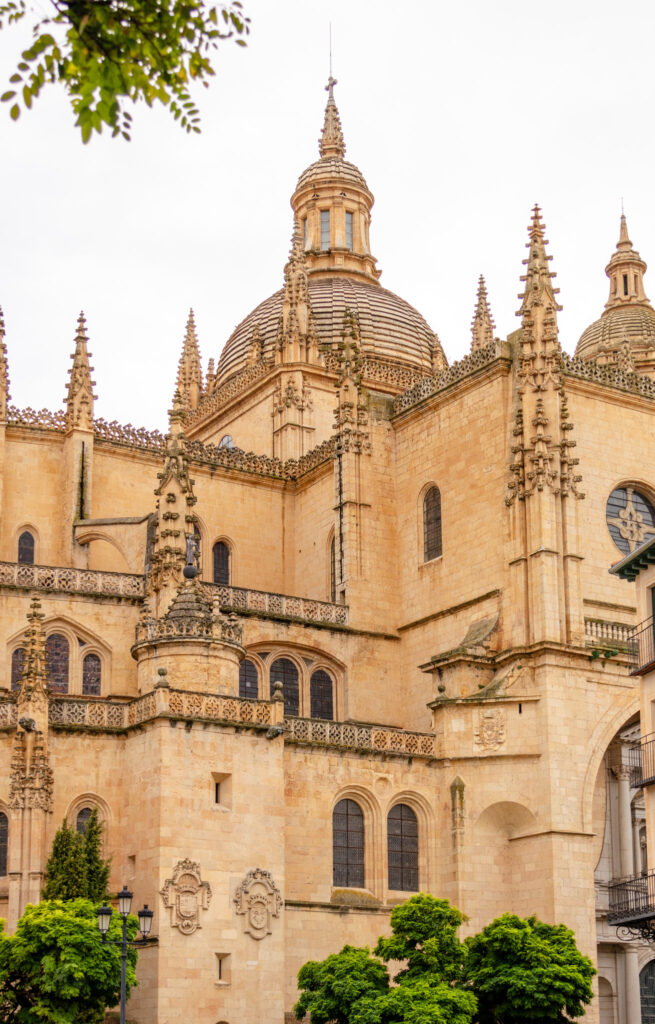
(460, 115)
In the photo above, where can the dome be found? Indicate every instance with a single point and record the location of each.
(391, 329)
(634, 324)
(332, 167)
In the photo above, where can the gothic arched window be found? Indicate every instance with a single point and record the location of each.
(26, 548)
(4, 842)
(320, 695)
(17, 663)
(82, 820)
(402, 846)
(221, 563)
(348, 845)
(432, 524)
(284, 671)
(57, 655)
(248, 680)
(91, 675)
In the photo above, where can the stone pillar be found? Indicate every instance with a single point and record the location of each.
(622, 773)
(632, 994)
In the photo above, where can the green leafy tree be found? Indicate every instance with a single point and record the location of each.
(76, 868)
(418, 1001)
(424, 934)
(108, 52)
(57, 968)
(333, 987)
(524, 971)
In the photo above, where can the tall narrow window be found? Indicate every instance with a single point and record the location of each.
(26, 548)
(4, 842)
(402, 845)
(248, 680)
(91, 675)
(82, 821)
(432, 525)
(304, 232)
(325, 229)
(221, 563)
(333, 569)
(57, 659)
(625, 284)
(349, 230)
(320, 695)
(17, 662)
(284, 671)
(348, 845)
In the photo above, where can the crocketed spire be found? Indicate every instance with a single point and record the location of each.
(296, 334)
(331, 142)
(189, 372)
(482, 325)
(79, 400)
(538, 287)
(4, 372)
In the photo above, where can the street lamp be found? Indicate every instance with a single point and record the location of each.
(145, 924)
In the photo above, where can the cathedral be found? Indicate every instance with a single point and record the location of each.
(345, 632)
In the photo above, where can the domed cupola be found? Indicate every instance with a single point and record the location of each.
(332, 204)
(625, 334)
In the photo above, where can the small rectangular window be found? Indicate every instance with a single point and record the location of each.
(223, 968)
(304, 232)
(349, 230)
(625, 284)
(222, 790)
(325, 229)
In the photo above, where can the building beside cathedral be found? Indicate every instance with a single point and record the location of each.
(401, 664)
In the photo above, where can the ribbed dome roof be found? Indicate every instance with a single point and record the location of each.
(634, 323)
(332, 167)
(390, 327)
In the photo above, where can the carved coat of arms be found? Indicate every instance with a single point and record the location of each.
(258, 899)
(490, 730)
(185, 895)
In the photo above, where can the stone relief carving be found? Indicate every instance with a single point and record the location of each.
(185, 895)
(490, 730)
(258, 899)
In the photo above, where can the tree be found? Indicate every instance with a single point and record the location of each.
(424, 934)
(57, 968)
(107, 52)
(76, 868)
(333, 987)
(523, 970)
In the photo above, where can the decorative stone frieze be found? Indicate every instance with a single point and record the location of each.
(258, 901)
(185, 895)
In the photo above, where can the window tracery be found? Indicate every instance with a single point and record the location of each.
(402, 848)
(57, 653)
(82, 819)
(630, 517)
(284, 671)
(320, 695)
(248, 680)
(221, 556)
(91, 675)
(348, 845)
(17, 664)
(26, 548)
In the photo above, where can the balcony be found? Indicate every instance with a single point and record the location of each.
(641, 647)
(632, 900)
(641, 760)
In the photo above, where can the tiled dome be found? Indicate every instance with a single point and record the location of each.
(635, 324)
(329, 167)
(390, 328)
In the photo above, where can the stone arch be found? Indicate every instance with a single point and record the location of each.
(420, 523)
(105, 552)
(373, 834)
(606, 729)
(104, 814)
(497, 853)
(74, 632)
(28, 528)
(233, 557)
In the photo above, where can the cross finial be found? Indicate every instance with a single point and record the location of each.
(330, 86)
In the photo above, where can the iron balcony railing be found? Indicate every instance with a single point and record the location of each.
(641, 647)
(641, 760)
(632, 899)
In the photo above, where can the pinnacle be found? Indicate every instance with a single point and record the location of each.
(331, 142)
(482, 325)
(79, 399)
(538, 275)
(189, 372)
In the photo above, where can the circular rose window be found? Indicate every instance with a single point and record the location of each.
(630, 518)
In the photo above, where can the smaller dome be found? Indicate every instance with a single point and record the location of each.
(634, 324)
(329, 167)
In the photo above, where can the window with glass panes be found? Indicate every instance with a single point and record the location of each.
(221, 563)
(320, 695)
(248, 680)
(402, 848)
(91, 675)
(348, 845)
(26, 548)
(349, 230)
(432, 525)
(57, 656)
(325, 229)
(17, 663)
(284, 671)
(82, 820)
(4, 842)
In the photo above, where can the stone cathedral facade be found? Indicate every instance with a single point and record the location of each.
(396, 661)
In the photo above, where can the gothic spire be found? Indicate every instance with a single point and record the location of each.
(4, 372)
(296, 333)
(482, 325)
(538, 287)
(331, 142)
(189, 372)
(79, 400)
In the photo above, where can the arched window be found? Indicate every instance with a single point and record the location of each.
(82, 820)
(284, 671)
(91, 675)
(221, 563)
(402, 846)
(57, 660)
(333, 569)
(17, 663)
(348, 845)
(248, 680)
(226, 441)
(320, 695)
(432, 525)
(647, 988)
(26, 548)
(4, 842)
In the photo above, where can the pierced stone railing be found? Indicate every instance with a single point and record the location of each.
(239, 599)
(131, 437)
(97, 714)
(113, 716)
(227, 630)
(601, 632)
(221, 395)
(611, 376)
(220, 709)
(73, 581)
(36, 418)
(360, 737)
(449, 375)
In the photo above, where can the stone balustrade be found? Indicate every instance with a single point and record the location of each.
(347, 735)
(115, 716)
(239, 599)
(603, 633)
(57, 579)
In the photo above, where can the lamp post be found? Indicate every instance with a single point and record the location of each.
(145, 924)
